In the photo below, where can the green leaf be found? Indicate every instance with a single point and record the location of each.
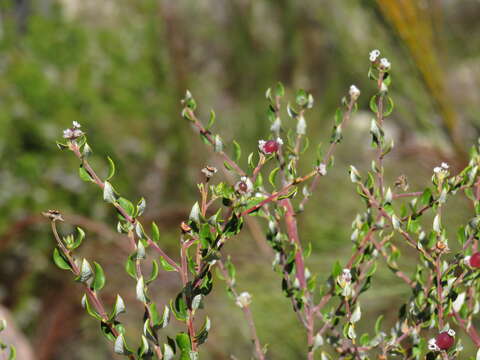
(142, 204)
(337, 269)
(139, 231)
(92, 312)
(373, 103)
(237, 151)
(140, 251)
(154, 316)
(183, 342)
(84, 175)
(356, 315)
(118, 308)
(273, 174)
(179, 307)
(99, 281)
(388, 106)
(140, 290)
(378, 324)
(211, 120)
(79, 239)
(60, 260)
(109, 193)
(130, 266)
(13, 353)
(86, 151)
(86, 271)
(127, 206)
(120, 346)
(154, 273)
(279, 90)
(62, 146)
(195, 213)
(144, 347)
(202, 335)
(168, 353)
(196, 301)
(338, 116)
(166, 266)
(111, 168)
(155, 233)
(165, 317)
(301, 98)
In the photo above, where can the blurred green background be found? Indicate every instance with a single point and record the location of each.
(121, 67)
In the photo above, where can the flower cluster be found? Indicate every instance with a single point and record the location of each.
(383, 63)
(244, 299)
(74, 132)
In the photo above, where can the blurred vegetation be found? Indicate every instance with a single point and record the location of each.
(120, 68)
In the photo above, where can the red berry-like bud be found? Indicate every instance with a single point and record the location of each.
(270, 147)
(444, 341)
(475, 260)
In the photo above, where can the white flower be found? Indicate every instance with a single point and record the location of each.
(76, 125)
(261, 144)
(451, 332)
(385, 64)
(346, 275)
(68, 133)
(432, 345)
(441, 170)
(354, 92)
(322, 169)
(279, 141)
(244, 299)
(374, 54)
(244, 186)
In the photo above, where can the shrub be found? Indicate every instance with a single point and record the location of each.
(443, 287)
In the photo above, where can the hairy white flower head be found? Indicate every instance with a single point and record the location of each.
(451, 332)
(385, 64)
(354, 92)
(279, 141)
(374, 54)
(445, 166)
(76, 125)
(244, 299)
